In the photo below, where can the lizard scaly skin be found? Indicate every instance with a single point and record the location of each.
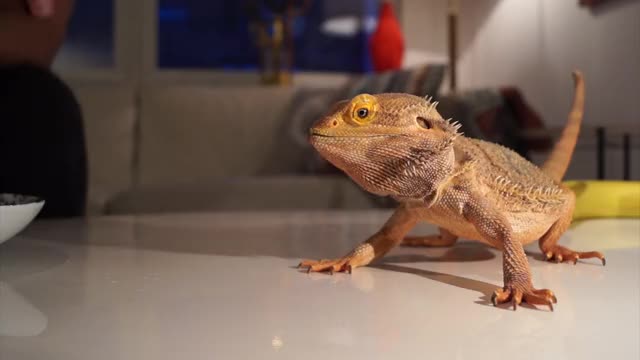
(398, 145)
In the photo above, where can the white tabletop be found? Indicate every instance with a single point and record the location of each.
(223, 286)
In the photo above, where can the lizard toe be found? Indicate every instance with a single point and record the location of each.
(515, 296)
(560, 254)
(327, 266)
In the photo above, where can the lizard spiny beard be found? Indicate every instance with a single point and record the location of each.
(399, 166)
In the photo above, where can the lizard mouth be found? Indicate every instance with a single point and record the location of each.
(317, 133)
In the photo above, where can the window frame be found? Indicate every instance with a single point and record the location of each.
(135, 57)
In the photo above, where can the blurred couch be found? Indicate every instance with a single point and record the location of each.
(169, 148)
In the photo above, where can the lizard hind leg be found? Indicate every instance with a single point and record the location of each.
(553, 252)
(444, 239)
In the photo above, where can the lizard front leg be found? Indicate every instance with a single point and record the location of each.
(391, 234)
(492, 225)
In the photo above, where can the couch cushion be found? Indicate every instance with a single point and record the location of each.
(244, 193)
(109, 118)
(420, 80)
(195, 134)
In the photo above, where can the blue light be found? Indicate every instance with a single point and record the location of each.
(173, 14)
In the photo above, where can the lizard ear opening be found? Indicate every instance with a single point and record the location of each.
(424, 123)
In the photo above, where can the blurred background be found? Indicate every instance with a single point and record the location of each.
(204, 105)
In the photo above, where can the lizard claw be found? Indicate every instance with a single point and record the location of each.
(328, 266)
(360, 256)
(516, 296)
(560, 254)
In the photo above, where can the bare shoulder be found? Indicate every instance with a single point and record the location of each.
(30, 34)
(60, 9)
(13, 6)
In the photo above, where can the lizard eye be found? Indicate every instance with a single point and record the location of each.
(363, 109)
(424, 123)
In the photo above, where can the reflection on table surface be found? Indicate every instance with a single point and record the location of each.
(225, 286)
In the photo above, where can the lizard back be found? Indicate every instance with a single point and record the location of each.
(513, 180)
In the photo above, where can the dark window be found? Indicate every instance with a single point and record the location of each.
(328, 35)
(90, 36)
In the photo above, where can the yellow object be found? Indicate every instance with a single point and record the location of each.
(606, 199)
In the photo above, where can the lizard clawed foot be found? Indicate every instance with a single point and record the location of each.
(515, 296)
(560, 254)
(330, 266)
(360, 256)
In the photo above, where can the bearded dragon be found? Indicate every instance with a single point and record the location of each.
(398, 145)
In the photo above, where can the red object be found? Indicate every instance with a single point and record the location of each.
(387, 42)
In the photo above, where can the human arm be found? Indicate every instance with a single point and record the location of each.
(31, 35)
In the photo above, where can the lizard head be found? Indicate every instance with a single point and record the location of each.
(390, 144)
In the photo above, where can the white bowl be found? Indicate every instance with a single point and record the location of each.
(16, 212)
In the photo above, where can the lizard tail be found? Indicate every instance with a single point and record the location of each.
(558, 162)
